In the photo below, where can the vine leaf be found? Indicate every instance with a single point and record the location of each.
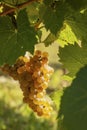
(78, 24)
(73, 108)
(52, 18)
(77, 4)
(32, 12)
(49, 39)
(15, 41)
(65, 37)
(73, 57)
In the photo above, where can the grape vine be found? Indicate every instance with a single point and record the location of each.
(26, 23)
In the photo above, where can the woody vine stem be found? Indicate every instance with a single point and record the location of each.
(19, 6)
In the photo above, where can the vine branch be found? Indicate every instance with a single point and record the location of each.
(20, 6)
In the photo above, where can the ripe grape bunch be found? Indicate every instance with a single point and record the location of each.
(33, 74)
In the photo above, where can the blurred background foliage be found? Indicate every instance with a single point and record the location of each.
(14, 114)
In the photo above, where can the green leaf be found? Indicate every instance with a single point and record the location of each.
(33, 13)
(66, 36)
(48, 2)
(19, 1)
(73, 108)
(54, 15)
(77, 4)
(15, 41)
(78, 24)
(49, 39)
(73, 57)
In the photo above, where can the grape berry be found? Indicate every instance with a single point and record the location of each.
(33, 74)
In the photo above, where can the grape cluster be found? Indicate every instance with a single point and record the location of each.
(33, 73)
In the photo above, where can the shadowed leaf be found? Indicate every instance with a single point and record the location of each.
(73, 108)
(15, 41)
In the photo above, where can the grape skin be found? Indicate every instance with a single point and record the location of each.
(33, 74)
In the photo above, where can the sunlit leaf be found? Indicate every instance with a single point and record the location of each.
(73, 57)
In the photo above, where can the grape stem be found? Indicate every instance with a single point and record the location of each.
(19, 6)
